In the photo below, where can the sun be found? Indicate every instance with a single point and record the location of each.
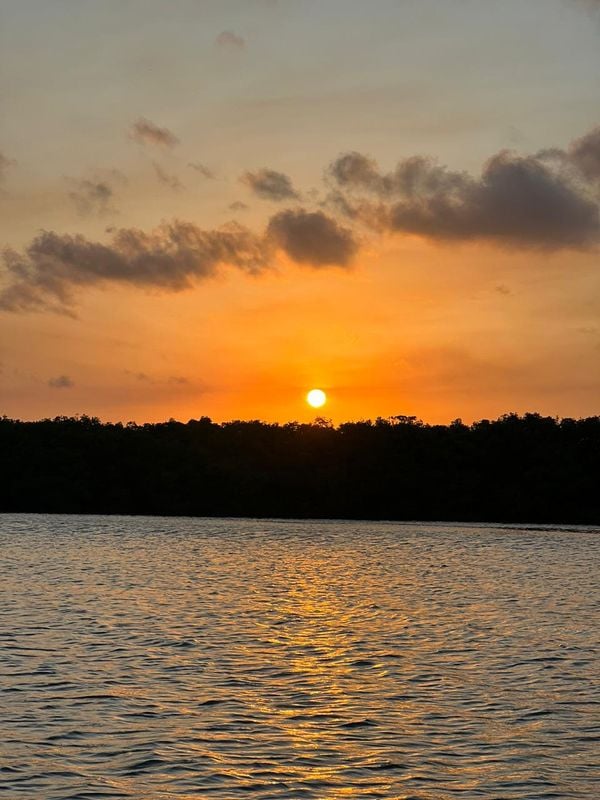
(316, 398)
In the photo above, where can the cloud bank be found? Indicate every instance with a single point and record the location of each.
(172, 257)
(548, 200)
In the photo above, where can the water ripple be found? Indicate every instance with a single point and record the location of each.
(158, 659)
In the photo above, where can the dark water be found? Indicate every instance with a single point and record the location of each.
(179, 658)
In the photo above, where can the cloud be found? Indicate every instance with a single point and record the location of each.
(312, 238)
(543, 201)
(202, 169)
(91, 196)
(146, 132)
(96, 195)
(238, 205)
(173, 380)
(172, 181)
(270, 185)
(61, 382)
(355, 170)
(548, 200)
(229, 39)
(171, 257)
(139, 376)
(585, 153)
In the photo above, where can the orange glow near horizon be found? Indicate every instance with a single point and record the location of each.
(417, 330)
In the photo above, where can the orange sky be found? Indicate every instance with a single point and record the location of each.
(467, 325)
(428, 339)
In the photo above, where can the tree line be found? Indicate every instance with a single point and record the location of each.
(528, 468)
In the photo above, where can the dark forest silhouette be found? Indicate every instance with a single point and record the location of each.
(517, 468)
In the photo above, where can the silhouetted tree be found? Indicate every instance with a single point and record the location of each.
(516, 468)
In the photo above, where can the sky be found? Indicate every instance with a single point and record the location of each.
(210, 207)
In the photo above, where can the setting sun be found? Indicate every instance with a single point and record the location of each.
(316, 398)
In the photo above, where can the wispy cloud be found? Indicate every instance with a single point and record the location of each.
(202, 169)
(166, 178)
(96, 195)
(61, 382)
(270, 185)
(173, 380)
(146, 132)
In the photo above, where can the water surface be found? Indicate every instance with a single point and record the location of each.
(155, 658)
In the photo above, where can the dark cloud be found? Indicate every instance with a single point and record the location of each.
(61, 382)
(543, 200)
(202, 169)
(172, 181)
(413, 177)
(230, 39)
(48, 274)
(548, 200)
(146, 132)
(355, 170)
(238, 205)
(270, 185)
(171, 257)
(312, 238)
